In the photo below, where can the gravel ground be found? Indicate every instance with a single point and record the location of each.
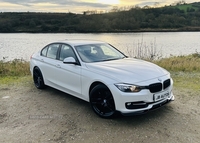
(47, 116)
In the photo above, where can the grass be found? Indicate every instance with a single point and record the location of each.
(12, 80)
(14, 68)
(186, 80)
(190, 63)
(185, 71)
(14, 71)
(185, 7)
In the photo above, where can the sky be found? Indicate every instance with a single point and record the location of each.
(75, 6)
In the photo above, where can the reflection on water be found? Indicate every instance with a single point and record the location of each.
(23, 45)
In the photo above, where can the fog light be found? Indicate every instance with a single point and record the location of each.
(136, 105)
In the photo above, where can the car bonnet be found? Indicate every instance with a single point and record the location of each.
(127, 70)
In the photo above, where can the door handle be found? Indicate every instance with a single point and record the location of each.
(58, 66)
(42, 60)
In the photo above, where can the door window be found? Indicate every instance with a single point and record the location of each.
(52, 51)
(65, 52)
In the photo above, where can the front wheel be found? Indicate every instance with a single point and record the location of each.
(102, 101)
(38, 78)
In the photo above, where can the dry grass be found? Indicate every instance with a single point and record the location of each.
(186, 80)
(14, 68)
(190, 63)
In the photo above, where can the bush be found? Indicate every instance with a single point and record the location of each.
(145, 51)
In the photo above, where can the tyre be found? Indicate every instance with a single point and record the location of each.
(38, 78)
(102, 101)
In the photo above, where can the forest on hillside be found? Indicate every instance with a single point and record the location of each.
(184, 17)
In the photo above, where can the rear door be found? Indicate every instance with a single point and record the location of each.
(48, 63)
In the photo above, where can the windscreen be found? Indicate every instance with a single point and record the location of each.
(98, 53)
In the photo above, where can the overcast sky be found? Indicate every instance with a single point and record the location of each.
(74, 6)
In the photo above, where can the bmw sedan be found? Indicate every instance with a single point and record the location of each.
(100, 74)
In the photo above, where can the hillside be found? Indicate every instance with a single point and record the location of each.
(182, 17)
(192, 7)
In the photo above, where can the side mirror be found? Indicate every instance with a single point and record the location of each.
(70, 60)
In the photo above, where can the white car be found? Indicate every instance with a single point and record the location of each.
(98, 73)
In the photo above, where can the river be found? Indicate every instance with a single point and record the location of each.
(23, 45)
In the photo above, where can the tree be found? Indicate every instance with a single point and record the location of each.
(32, 24)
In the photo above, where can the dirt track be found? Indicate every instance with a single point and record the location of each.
(31, 115)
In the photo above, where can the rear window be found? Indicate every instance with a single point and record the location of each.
(50, 51)
(44, 52)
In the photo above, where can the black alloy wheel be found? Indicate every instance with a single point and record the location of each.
(102, 101)
(38, 78)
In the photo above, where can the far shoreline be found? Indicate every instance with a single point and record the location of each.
(187, 29)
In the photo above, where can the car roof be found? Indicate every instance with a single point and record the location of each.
(81, 42)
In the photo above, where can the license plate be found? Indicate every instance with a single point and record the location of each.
(161, 96)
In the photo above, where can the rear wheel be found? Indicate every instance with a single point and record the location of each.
(102, 101)
(38, 78)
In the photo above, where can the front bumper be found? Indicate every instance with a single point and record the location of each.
(153, 106)
(139, 103)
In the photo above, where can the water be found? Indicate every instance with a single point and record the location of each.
(23, 45)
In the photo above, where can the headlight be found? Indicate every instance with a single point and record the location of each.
(128, 87)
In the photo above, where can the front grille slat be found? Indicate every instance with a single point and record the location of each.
(166, 84)
(157, 87)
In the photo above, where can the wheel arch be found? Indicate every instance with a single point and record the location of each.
(38, 78)
(40, 71)
(95, 84)
(35, 67)
(38, 68)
